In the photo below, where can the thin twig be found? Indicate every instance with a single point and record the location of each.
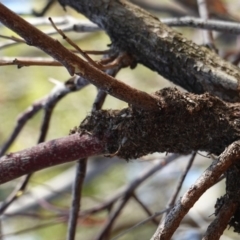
(59, 91)
(45, 9)
(77, 194)
(23, 62)
(179, 186)
(1, 230)
(204, 182)
(34, 228)
(83, 53)
(82, 166)
(140, 223)
(48, 110)
(21, 121)
(101, 95)
(105, 232)
(99, 100)
(180, 182)
(208, 24)
(15, 39)
(83, 26)
(96, 52)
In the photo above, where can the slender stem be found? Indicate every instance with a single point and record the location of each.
(180, 182)
(77, 194)
(203, 12)
(74, 64)
(204, 182)
(145, 208)
(48, 154)
(105, 232)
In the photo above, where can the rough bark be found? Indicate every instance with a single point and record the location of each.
(165, 121)
(152, 43)
(73, 63)
(185, 122)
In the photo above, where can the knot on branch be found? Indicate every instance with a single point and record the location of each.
(184, 122)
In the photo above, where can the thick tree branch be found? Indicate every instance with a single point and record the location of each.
(73, 63)
(184, 122)
(131, 29)
(220, 223)
(48, 154)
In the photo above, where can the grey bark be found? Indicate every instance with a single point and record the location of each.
(158, 47)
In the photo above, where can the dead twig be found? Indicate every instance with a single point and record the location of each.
(205, 181)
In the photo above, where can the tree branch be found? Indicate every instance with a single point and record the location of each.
(48, 154)
(126, 133)
(58, 92)
(158, 47)
(209, 24)
(73, 63)
(174, 128)
(220, 223)
(206, 180)
(81, 169)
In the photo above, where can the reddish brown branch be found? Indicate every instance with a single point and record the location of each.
(48, 154)
(220, 223)
(73, 63)
(127, 132)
